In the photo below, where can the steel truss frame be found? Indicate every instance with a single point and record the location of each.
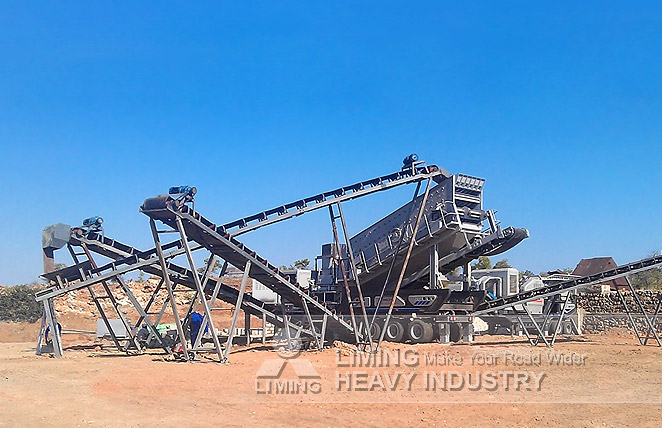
(188, 223)
(129, 259)
(650, 322)
(85, 273)
(558, 289)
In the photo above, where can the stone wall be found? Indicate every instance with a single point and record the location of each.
(604, 311)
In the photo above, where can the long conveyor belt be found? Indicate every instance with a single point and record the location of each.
(126, 259)
(222, 244)
(489, 306)
(411, 174)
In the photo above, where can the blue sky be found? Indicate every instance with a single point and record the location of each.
(557, 105)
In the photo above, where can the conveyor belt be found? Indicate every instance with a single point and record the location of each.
(127, 259)
(600, 278)
(222, 244)
(346, 193)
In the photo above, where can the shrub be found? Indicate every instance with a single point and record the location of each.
(18, 304)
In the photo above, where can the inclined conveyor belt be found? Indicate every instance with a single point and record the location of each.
(205, 233)
(550, 290)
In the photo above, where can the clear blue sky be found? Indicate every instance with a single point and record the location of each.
(558, 105)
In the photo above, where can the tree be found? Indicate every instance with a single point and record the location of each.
(214, 269)
(502, 264)
(298, 264)
(650, 279)
(527, 273)
(302, 264)
(483, 262)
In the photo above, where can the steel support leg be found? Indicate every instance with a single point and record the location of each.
(207, 317)
(42, 330)
(51, 320)
(142, 313)
(264, 329)
(164, 306)
(113, 301)
(324, 321)
(560, 321)
(355, 273)
(526, 332)
(287, 326)
(535, 324)
(312, 326)
(548, 316)
(247, 327)
(235, 316)
(150, 302)
(654, 319)
(629, 314)
(643, 311)
(434, 266)
(395, 256)
(405, 263)
(102, 313)
(169, 286)
(341, 266)
(201, 291)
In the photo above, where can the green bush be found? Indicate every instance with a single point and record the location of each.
(18, 304)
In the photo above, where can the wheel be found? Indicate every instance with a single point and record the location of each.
(492, 328)
(395, 331)
(419, 331)
(375, 330)
(567, 327)
(455, 332)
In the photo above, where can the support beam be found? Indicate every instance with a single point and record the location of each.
(51, 320)
(643, 311)
(343, 272)
(434, 266)
(657, 311)
(405, 263)
(560, 321)
(201, 291)
(355, 274)
(169, 287)
(535, 324)
(237, 308)
(287, 326)
(395, 256)
(629, 314)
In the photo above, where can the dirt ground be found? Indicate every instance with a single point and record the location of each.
(605, 380)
